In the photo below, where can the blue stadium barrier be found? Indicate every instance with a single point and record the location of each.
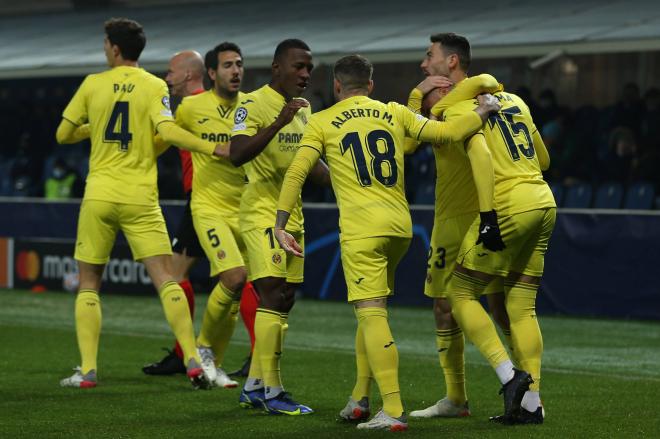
(599, 263)
(639, 196)
(425, 193)
(609, 196)
(578, 196)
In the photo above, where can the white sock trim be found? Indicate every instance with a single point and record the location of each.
(531, 401)
(252, 384)
(504, 371)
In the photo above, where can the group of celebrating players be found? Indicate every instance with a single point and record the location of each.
(251, 154)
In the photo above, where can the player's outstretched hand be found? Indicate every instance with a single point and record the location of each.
(431, 82)
(489, 232)
(288, 242)
(290, 110)
(487, 104)
(221, 150)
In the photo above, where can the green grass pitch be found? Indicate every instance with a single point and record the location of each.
(601, 378)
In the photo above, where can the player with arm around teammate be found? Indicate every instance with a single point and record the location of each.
(375, 223)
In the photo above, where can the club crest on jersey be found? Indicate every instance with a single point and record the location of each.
(277, 259)
(222, 254)
(240, 115)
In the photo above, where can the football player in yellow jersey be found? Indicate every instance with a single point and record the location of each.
(120, 110)
(511, 247)
(216, 195)
(456, 207)
(268, 127)
(185, 77)
(363, 140)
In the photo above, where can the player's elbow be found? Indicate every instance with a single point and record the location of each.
(235, 156)
(63, 133)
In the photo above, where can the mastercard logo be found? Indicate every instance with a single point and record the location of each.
(27, 265)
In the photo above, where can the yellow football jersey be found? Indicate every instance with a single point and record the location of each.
(519, 184)
(363, 140)
(265, 172)
(217, 184)
(455, 192)
(123, 107)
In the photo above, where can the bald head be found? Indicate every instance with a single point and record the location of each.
(185, 73)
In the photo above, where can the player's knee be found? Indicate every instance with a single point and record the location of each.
(234, 280)
(443, 316)
(498, 310)
(272, 293)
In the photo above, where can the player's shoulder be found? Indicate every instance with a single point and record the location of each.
(461, 108)
(196, 98)
(510, 99)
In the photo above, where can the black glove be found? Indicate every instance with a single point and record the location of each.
(489, 232)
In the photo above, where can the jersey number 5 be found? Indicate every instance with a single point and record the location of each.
(117, 128)
(383, 164)
(510, 128)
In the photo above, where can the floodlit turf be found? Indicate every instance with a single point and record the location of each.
(601, 378)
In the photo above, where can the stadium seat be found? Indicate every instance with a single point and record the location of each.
(639, 196)
(425, 193)
(558, 192)
(578, 196)
(609, 196)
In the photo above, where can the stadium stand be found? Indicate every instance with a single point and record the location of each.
(578, 196)
(608, 196)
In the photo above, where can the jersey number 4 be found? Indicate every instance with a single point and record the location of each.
(510, 128)
(383, 164)
(117, 128)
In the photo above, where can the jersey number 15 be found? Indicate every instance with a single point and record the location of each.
(510, 128)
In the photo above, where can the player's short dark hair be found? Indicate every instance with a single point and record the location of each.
(291, 43)
(128, 35)
(353, 72)
(454, 44)
(211, 58)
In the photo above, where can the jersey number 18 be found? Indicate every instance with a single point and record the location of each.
(383, 164)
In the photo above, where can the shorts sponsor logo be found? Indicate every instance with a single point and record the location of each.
(221, 254)
(429, 278)
(277, 259)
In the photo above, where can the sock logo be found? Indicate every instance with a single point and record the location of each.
(175, 299)
(443, 349)
(389, 344)
(278, 353)
(357, 282)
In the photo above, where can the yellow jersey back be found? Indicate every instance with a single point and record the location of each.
(362, 140)
(123, 107)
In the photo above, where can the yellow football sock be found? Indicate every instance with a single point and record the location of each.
(473, 318)
(509, 344)
(451, 347)
(226, 328)
(383, 356)
(525, 331)
(177, 314)
(254, 379)
(284, 321)
(268, 332)
(88, 327)
(363, 380)
(216, 316)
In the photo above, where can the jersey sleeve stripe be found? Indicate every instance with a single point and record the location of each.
(421, 129)
(72, 122)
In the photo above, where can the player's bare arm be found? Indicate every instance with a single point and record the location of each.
(244, 148)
